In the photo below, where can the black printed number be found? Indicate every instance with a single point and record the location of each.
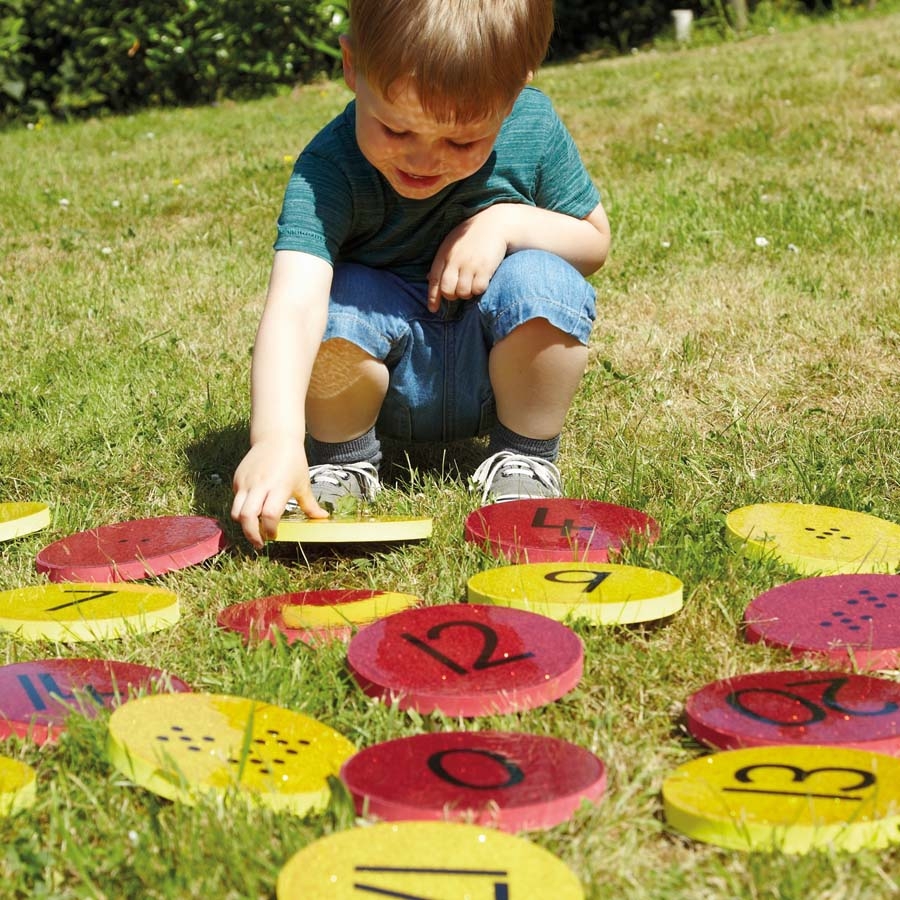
(590, 580)
(485, 659)
(514, 775)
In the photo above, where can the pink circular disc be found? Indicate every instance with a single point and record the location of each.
(557, 530)
(37, 697)
(827, 708)
(466, 659)
(128, 551)
(852, 620)
(515, 782)
(264, 619)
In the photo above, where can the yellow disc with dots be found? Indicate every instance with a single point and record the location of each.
(17, 785)
(17, 519)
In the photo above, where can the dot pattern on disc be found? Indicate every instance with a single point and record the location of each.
(557, 530)
(18, 519)
(466, 659)
(418, 860)
(787, 798)
(129, 551)
(311, 616)
(816, 540)
(765, 708)
(37, 697)
(603, 593)
(851, 620)
(77, 611)
(515, 782)
(17, 786)
(182, 746)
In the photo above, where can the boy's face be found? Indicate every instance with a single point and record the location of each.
(418, 155)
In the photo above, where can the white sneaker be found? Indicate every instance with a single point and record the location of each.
(512, 476)
(332, 482)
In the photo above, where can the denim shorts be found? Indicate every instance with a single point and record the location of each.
(439, 388)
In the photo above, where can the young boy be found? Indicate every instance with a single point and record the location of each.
(428, 279)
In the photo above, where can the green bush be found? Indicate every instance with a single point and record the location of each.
(618, 24)
(67, 57)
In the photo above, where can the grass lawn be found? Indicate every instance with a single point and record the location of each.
(746, 350)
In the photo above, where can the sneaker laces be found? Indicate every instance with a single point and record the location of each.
(516, 467)
(364, 474)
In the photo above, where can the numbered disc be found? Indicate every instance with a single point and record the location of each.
(311, 616)
(17, 786)
(184, 746)
(834, 708)
(17, 519)
(127, 551)
(792, 799)
(816, 540)
(852, 620)
(466, 660)
(557, 530)
(86, 612)
(37, 698)
(355, 529)
(416, 860)
(603, 593)
(516, 782)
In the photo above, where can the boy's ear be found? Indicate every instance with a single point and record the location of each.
(347, 61)
(528, 77)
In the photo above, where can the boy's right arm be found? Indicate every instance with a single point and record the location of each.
(287, 343)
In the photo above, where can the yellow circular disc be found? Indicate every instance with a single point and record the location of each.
(604, 593)
(17, 785)
(355, 612)
(355, 529)
(185, 746)
(418, 860)
(17, 519)
(816, 540)
(788, 798)
(81, 611)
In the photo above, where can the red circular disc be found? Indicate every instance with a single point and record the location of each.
(37, 697)
(127, 551)
(557, 530)
(466, 659)
(767, 708)
(852, 620)
(515, 782)
(264, 619)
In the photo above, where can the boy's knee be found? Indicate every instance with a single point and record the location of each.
(339, 365)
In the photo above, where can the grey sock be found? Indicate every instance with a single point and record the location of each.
(502, 438)
(365, 448)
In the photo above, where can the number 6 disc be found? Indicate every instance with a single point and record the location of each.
(466, 659)
(765, 708)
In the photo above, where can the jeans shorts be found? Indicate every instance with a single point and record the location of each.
(439, 389)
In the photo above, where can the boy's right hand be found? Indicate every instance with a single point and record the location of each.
(268, 476)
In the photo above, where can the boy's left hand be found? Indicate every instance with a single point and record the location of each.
(467, 258)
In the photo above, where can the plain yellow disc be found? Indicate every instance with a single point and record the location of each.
(604, 593)
(425, 861)
(17, 785)
(356, 529)
(81, 611)
(17, 519)
(816, 540)
(356, 612)
(788, 798)
(185, 746)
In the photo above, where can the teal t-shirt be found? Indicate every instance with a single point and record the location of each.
(337, 206)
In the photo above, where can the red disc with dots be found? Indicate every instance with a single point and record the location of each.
(129, 551)
(834, 708)
(557, 530)
(516, 782)
(851, 620)
(466, 659)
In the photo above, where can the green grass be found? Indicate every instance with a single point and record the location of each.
(722, 373)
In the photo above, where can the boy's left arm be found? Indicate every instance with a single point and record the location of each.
(472, 252)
